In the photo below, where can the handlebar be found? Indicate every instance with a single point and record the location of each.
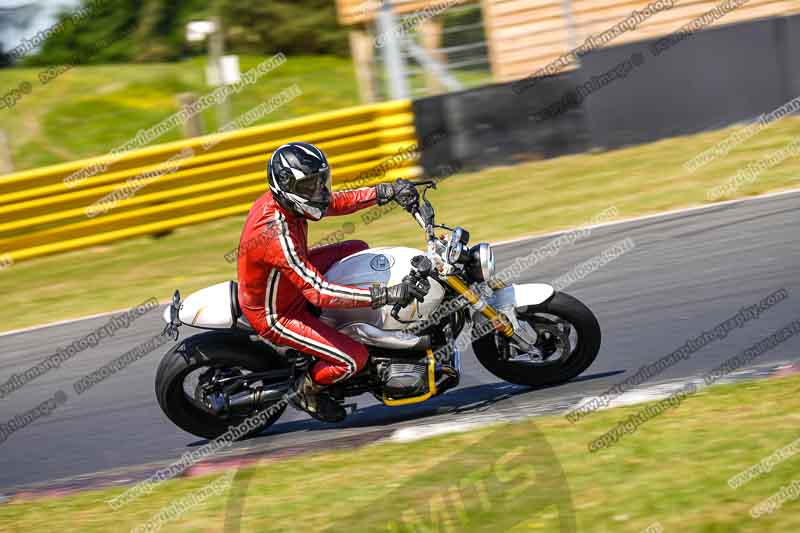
(421, 268)
(396, 311)
(423, 213)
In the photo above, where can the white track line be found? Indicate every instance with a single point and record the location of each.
(517, 240)
(414, 433)
(641, 394)
(68, 321)
(683, 210)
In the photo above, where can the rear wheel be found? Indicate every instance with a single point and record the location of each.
(189, 369)
(568, 340)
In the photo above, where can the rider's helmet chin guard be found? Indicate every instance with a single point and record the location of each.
(300, 179)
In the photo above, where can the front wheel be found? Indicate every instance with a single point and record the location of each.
(568, 340)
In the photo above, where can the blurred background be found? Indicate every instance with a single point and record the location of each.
(128, 121)
(141, 58)
(122, 122)
(134, 137)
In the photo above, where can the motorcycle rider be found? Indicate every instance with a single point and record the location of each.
(279, 277)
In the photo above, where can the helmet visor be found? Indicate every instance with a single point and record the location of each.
(315, 187)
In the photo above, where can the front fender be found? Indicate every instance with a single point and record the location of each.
(527, 294)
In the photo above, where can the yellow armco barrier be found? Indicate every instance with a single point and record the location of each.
(158, 188)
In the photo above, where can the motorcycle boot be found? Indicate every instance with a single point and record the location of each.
(312, 398)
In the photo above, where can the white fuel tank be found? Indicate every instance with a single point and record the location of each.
(212, 307)
(383, 266)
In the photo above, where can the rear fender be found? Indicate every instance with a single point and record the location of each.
(214, 307)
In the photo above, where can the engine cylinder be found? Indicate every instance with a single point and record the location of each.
(404, 379)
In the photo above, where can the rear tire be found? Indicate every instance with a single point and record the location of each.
(215, 348)
(538, 375)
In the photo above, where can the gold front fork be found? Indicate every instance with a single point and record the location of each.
(499, 320)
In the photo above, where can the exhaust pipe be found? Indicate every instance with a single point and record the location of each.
(246, 402)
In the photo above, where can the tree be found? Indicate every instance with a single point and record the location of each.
(289, 26)
(154, 30)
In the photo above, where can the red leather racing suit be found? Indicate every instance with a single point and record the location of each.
(278, 276)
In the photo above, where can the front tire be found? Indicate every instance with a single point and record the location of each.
(567, 308)
(211, 349)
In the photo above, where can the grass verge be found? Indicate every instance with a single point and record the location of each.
(494, 204)
(89, 110)
(512, 477)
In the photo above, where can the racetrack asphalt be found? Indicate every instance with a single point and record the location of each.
(688, 272)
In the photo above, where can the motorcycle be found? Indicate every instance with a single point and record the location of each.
(525, 334)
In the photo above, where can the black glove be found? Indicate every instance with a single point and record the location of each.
(401, 191)
(402, 294)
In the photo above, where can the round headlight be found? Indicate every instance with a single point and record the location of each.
(482, 265)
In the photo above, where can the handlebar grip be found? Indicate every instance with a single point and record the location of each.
(396, 311)
(418, 218)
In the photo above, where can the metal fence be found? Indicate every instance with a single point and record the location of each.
(153, 190)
